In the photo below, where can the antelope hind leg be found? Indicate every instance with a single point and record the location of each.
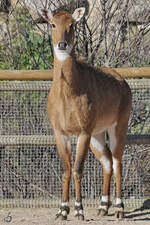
(103, 154)
(117, 137)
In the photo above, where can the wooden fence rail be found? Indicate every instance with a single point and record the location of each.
(138, 72)
(49, 140)
(33, 75)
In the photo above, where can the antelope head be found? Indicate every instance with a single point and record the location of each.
(62, 24)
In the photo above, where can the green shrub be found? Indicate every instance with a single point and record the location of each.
(25, 48)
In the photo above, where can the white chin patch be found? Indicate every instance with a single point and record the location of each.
(62, 55)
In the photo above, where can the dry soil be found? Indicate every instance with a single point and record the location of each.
(46, 216)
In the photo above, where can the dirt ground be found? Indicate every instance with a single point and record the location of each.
(20, 216)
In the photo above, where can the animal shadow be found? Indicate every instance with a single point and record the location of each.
(140, 214)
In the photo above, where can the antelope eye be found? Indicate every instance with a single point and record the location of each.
(53, 25)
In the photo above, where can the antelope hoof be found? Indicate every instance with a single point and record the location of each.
(102, 212)
(80, 216)
(61, 217)
(63, 212)
(103, 208)
(79, 210)
(119, 214)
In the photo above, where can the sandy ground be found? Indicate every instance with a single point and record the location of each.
(46, 216)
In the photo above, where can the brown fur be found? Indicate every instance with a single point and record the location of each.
(80, 99)
(84, 100)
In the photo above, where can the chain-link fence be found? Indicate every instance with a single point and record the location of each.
(30, 170)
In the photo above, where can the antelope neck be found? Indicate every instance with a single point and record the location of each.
(65, 69)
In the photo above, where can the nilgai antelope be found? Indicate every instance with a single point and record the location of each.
(88, 102)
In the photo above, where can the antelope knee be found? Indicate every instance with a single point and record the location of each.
(116, 165)
(77, 176)
(106, 163)
(67, 175)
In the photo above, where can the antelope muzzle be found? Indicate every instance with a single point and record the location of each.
(62, 45)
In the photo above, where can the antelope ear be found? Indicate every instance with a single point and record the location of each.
(46, 14)
(78, 14)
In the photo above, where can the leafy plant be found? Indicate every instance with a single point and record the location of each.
(26, 48)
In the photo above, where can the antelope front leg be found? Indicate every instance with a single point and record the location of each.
(82, 148)
(64, 150)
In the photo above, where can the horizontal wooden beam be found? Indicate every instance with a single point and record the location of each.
(134, 72)
(26, 74)
(138, 139)
(49, 140)
(139, 72)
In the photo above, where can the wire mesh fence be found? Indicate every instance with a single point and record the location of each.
(30, 167)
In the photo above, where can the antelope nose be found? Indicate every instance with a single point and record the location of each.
(62, 45)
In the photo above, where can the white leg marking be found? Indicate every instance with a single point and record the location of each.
(115, 165)
(81, 212)
(106, 163)
(98, 142)
(64, 213)
(118, 201)
(68, 143)
(62, 55)
(65, 141)
(63, 204)
(112, 137)
(77, 203)
(105, 198)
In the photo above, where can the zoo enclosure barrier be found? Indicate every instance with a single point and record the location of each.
(30, 168)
